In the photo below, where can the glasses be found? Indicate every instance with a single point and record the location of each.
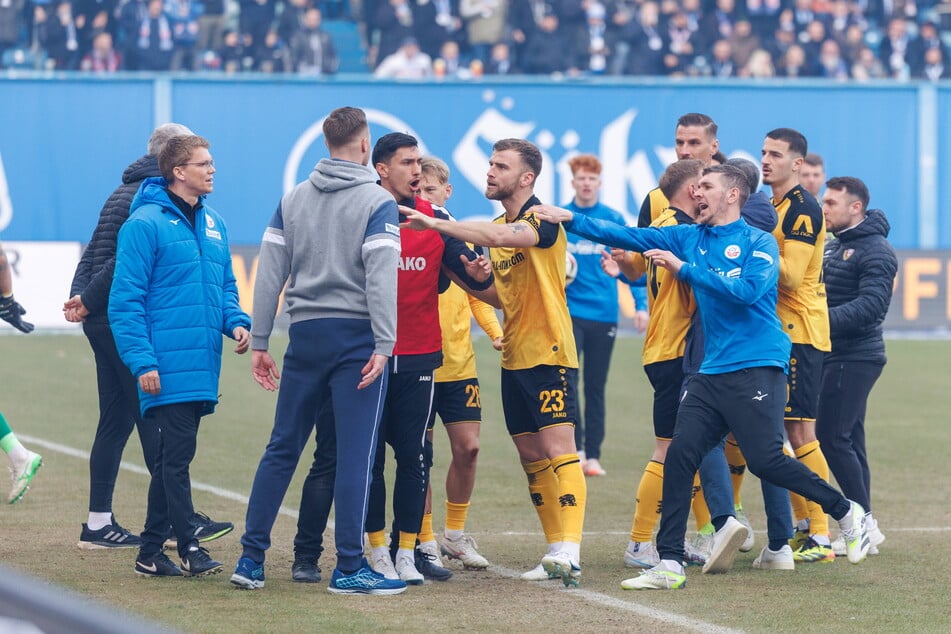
(204, 164)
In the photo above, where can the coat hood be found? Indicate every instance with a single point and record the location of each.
(332, 175)
(141, 169)
(759, 212)
(875, 223)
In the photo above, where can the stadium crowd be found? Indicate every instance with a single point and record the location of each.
(835, 39)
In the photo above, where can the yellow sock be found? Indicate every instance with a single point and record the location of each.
(734, 458)
(811, 455)
(377, 539)
(572, 495)
(456, 516)
(426, 529)
(543, 487)
(408, 540)
(650, 493)
(699, 504)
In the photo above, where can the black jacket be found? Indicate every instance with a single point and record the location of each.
(93, 277)
(859, 270)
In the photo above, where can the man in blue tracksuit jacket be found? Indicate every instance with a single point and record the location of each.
(734, 270)
(173, 296)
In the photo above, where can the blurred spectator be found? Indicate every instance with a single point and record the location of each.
(485, 24)
(794, 64)
(408, 62)
(934, 66)
(500, 61)
(91, 18)
(894, 49)
(831, 63)
(853, 42)
(719, 23)
(235, 53)
(272, 56)
(292, 18)
(11, 23)
(57, 34)
(680, 50)
(103, 58)
(335, 9)
(255, 20)
(155, 43)
(844, 15)
(927, 40)
(647, 45)
(547, 51)
(868, 66)
(449, 62)
(759, 65)
(436, 22)
(721, 59)
(782, 39)
(183, 17)
(803, 15)
(525, 18)
(593, 40)
(394, 25)
(211, 25)
(620, 30)
(312, 48)
(812, 39)
(763, 15)
(744, 42)
(131, 15)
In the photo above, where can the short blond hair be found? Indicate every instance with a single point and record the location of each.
(435, 167)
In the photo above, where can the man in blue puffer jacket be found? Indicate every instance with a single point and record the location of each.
(172, 297)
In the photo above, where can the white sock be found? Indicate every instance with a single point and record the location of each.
(671, 566)
(406, 553)
(803, 525)
(18, 456)
(554, 547)
(98, 520)
(452, 534)
(573, 551)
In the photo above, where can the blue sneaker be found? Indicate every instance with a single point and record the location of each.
(364, 581)
(248, 574)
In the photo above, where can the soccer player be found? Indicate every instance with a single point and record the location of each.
(733, 269)
(593, 306)
(456, 399)
(812, 174)
(802, 308)
(859, 269)
(539, 362)
(24, 462)
(340, 270)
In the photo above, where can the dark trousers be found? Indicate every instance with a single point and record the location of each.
(118, 414)
(170, 492)
(840, 425)
(317, 495)
(595, 343)
(322, 365)
(750, 403)
(409, 400)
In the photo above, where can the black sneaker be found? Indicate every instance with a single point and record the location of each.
(157, 566)
(111, 536)
(206, 530)
(198, 563)
(305, 570)
(430, 567)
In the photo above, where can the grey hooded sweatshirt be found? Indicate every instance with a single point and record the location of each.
(335, 240)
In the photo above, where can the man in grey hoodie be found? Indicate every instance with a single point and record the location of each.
(334, 239)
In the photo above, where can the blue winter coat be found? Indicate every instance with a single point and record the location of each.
(173, 295)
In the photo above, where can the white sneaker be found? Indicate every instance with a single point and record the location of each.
(855, 533)
(726, 543)
(593, 468)
(747, 545)
(781, 559)
(560, 565)
(641, 555)
(464, 549)
(697, 551)
(380, 562)
(655, 579)
(406, 569)
(23, 476)
(537, 574)
(875, 538)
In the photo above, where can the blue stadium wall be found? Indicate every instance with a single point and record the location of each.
(65, 140)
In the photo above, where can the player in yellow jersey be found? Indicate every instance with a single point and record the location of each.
(804, 313)
(539, 361)
(456, 399)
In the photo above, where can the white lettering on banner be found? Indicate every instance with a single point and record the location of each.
(6, 205)
(411, 264)
(42, 275)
